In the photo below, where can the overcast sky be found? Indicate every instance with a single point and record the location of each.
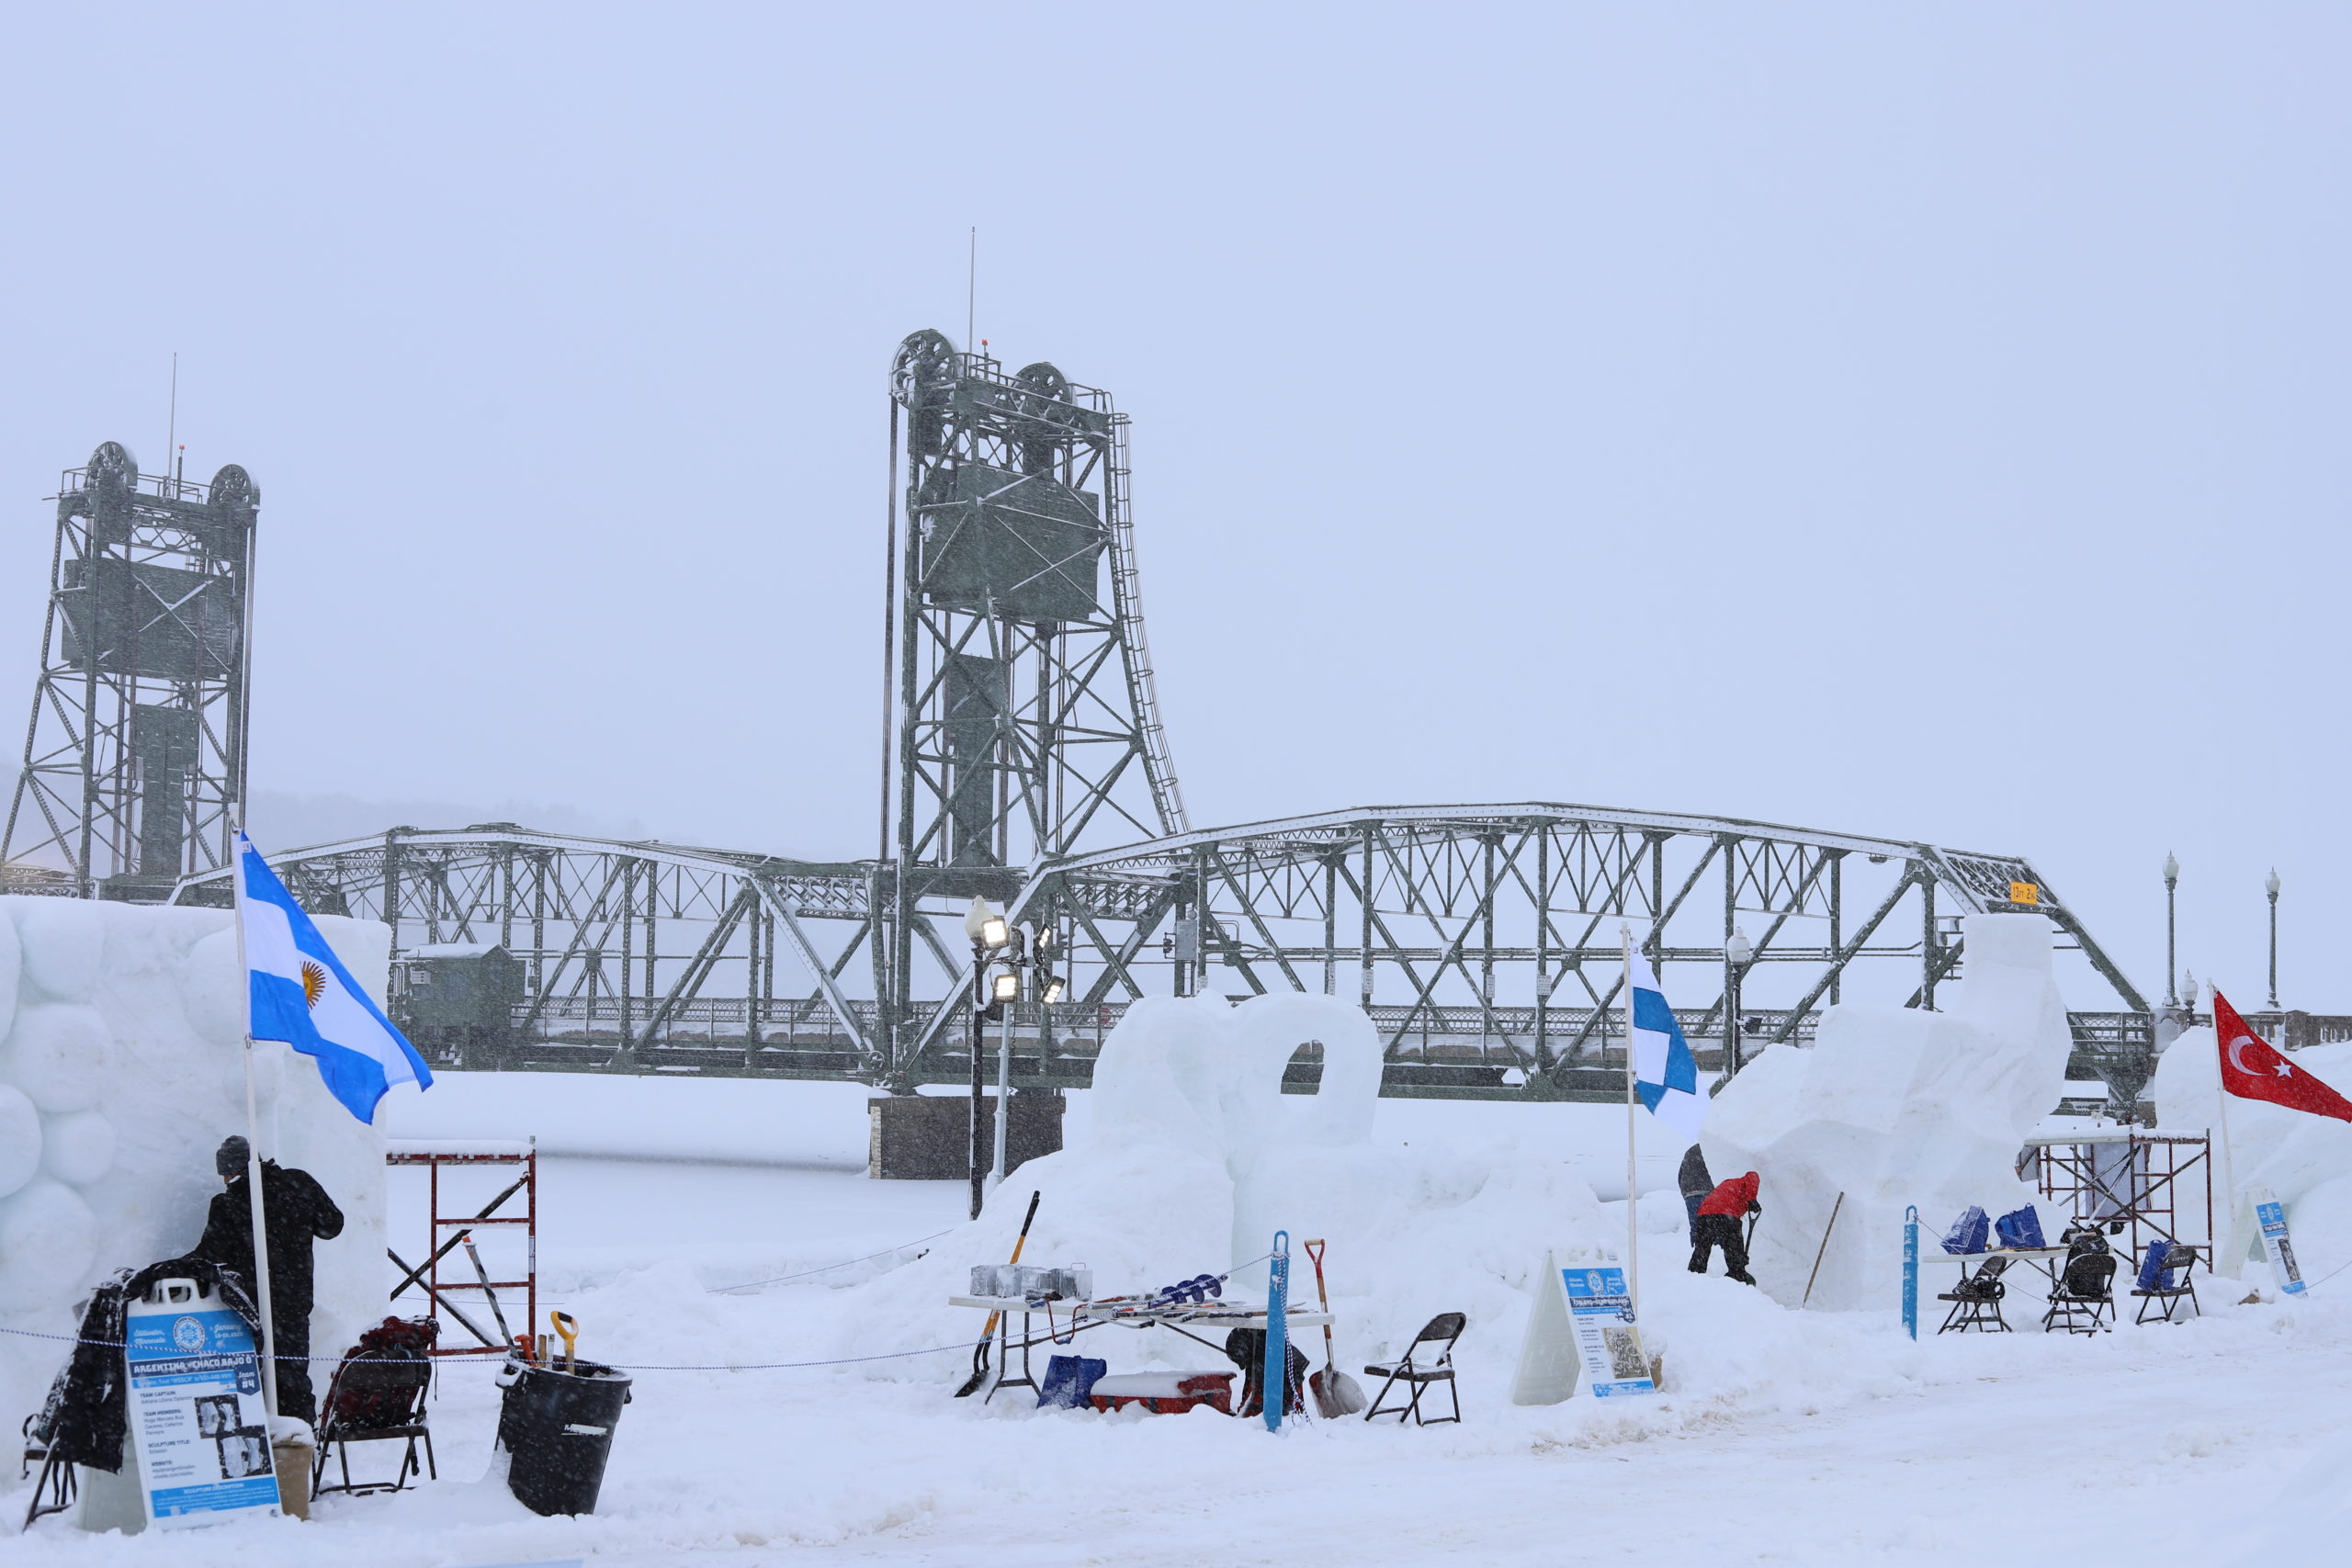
(1926, 421)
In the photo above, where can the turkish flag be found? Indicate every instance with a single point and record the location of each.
(2252, 1070)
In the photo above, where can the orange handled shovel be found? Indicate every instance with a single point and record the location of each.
(1336, 1393)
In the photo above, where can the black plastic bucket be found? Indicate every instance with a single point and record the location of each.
(558, 1427)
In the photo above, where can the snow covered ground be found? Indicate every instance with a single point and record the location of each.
(1785, 1437)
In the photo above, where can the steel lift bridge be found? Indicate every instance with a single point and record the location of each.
(1028, 764)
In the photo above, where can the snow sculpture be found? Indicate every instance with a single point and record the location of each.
(1191, 1156)
(121, 1046)
(1893, 1107)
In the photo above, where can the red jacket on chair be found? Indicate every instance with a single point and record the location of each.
(1732, 1197)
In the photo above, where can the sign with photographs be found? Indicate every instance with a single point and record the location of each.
(197, 1414)
(1583, 1317)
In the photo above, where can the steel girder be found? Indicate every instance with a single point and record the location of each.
(1492, 933)
(634, 943)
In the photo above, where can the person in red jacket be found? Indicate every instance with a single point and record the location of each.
(1718, 1225)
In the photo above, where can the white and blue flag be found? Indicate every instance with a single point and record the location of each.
(301, 994)
(1666, 1074)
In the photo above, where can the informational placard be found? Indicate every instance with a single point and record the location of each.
(2271, 1216)
(1600, 1311)
(197, 1414)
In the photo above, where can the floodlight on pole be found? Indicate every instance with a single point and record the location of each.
(1007, 986)
(1049, 987)
(985, 925)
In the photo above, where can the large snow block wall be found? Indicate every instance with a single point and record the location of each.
(1893, 1107)
(121, 1069)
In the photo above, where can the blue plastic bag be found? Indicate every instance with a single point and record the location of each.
(2153, 1275)
(1068, 1380)
(1969, 1233)
(2020, 1230)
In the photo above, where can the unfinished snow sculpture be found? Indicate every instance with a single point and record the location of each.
(1893, 1107)
(120, 1071)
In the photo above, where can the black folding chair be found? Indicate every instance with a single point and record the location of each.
(1417, 1370)
(2164, 1300)
(57, 1484)
(375, 1399)
(2083, 1301)
(1976, 1300)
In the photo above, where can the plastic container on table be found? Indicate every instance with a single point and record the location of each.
(557, 1427)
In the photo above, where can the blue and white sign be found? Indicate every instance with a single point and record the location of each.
(2271, 1216)
(1600, 1311)
(197, 1414)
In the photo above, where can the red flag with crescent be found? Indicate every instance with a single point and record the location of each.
(2252, 1070)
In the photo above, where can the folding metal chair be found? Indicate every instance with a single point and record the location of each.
(2083, 1301)
(1976, 1300)
(375, 1399)
(2164, 1300)
(57, 1483)
(1419, 1371)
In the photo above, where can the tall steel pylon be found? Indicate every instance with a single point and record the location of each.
(1023, 720)
(135, 753)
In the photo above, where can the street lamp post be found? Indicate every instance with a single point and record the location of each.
(2270, 885)
(989, 934)
(2172, 958)
(1737, 952)
(1006, 991)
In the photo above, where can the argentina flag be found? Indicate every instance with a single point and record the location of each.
(1666, 1074)
(300, 994)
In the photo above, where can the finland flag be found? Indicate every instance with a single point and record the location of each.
(1666, 1074)
(301, 994)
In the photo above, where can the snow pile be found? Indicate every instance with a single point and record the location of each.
(2305, 1159)
(1193, 1157)
(120, 1071)
(1893, 1107)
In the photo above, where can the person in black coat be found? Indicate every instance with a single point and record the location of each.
(296, 1211)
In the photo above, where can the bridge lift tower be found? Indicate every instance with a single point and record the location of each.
(1023, 721)
(135, 754)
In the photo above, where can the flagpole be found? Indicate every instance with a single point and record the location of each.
(1633, 1199)
(2228, 1228)
(237, 843)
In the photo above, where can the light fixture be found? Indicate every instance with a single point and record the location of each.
(1051, 985)
(2171, 869)
(1737, 948)
(985, 925)
(2271, 885)
(1007, 988)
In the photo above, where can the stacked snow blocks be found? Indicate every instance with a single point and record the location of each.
(1893, 1107)
(121, 1069)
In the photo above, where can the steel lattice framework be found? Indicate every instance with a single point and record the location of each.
(1028, 764)
(135, 754)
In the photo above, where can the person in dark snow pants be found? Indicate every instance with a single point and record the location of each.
(297, 1211)
(1718, 1225)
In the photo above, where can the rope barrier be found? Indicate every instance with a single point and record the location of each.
(811, 1273)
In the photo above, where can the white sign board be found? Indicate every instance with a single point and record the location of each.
(2271, 1216)
(1583, 1317)
(195, 1409)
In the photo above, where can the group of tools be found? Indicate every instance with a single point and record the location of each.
(1334, 1392)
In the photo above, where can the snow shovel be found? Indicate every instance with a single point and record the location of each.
(980, 1351)
(1336, 1393)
